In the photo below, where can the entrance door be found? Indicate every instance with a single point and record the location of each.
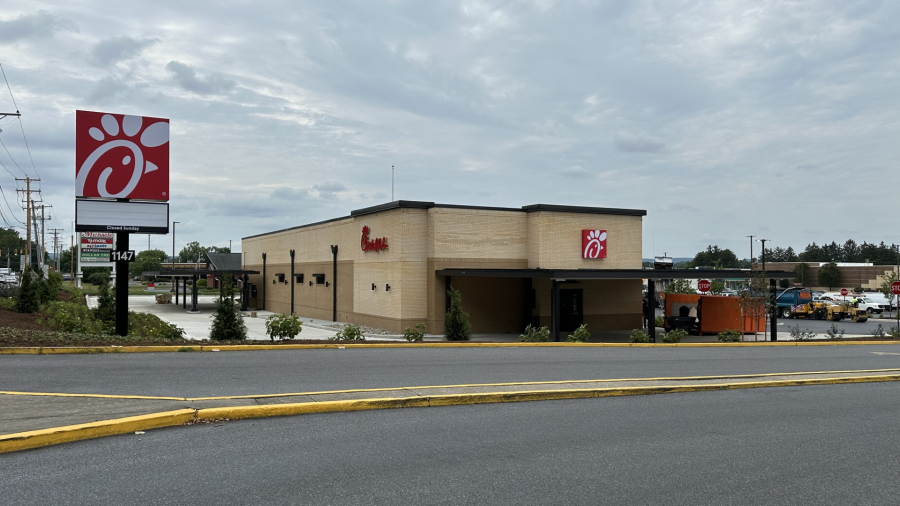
(571, 309)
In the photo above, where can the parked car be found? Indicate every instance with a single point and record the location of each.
(882, 301)
(868, 305)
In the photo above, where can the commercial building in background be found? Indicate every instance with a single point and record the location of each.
(391, 265)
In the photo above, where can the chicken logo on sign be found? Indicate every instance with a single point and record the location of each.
(119, 156)
(593, 244)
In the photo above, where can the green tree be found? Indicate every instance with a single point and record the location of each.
(830, 275)
(228, 322)
(886, 280)
(803, 274)
(680, 286)
(456, 321)
(65, 260)
(716, 258)
(11, 247)
(717, 286)
(106, 304)
(29, 298)
(149, 260)
(194, 251)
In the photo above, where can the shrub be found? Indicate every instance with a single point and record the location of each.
(71, 317)
(153, 327)
(201, 283)
(456, 321)
(98, 278)
(283, 326)
(29, 297)
(800, 335)
(54, 282)
(834, 332)
(729, 336)
(416, 333)
(581, 335)
(77, 296)
(535, 335)
(8, 303)
(228, 322)
(674, 336)
(894, 332)
(878, 333)
(660, 321)
(9, 291)
(639, 336)
(106, 303)
(350, 332)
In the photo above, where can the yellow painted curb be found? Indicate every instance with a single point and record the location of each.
(57, 435)
(61, 350)
(304, 408)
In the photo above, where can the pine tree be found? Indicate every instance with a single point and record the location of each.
(28, 300)
(228, 322)
(456, 321)
(106, 303)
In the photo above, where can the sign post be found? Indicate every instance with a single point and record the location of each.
(895, 289)
(121, 174)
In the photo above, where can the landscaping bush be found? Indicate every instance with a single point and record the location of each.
(283, 326)
(456, 321)
(834, 333)
(201, 283)
(76, 295)
(8, 303)
(660, 321)
(29, 296)
(106, 303)
(878, 332)
(350, 332)
(729, 336)
(98, 278)
(416, 333)
(9, 291)
(228, 322)
(71, 317)
(800, 335)
(535, 335)
(639, 336)
(54, 283)
(581, 335)
(894, 332)
(674, 336)
(152, 327)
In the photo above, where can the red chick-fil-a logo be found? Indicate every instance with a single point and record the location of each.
(367, 244)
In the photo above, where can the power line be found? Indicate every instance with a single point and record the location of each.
(13, 160)
(10, 207)
(21, 127)
(8, 88)
(28, 149)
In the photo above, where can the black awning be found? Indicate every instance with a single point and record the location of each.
(614, 273)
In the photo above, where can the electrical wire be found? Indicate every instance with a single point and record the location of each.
(2, 193)
(8, 88)
(6, 169)
(13, 160)
(21, 126)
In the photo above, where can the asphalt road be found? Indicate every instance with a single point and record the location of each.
(806, 445)
(260, 372)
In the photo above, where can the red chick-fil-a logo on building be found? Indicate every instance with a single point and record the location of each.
(367, 244)
(593, 243)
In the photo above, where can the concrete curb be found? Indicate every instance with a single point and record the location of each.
(70, 433)
(59, 435)
(74, 350)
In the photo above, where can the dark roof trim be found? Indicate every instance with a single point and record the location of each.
(611, 273)
(416, 204)
(584, 210)
(203, 271)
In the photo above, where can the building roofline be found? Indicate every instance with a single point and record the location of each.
(416, 204)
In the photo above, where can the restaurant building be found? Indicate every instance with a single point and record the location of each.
(390, 266)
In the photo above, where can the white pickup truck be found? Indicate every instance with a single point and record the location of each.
(7, 277)
(866, 304)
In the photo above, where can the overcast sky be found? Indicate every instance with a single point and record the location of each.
(721, 119)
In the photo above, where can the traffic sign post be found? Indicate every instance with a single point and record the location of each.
(704, 285)
(895, 289)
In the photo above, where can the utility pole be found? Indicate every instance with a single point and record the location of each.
(56, 249)
(27, 191)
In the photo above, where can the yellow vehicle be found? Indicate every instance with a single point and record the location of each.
(838, 311)
(811, 311)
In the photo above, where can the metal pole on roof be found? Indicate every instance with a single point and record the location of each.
(392, 183)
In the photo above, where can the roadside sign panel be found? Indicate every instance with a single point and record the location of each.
(704, 285)
(844, 292)
(127, 217)
(121, 156)
(895, 287)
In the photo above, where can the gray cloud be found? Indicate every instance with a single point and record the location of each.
(41, 24)
(187, 78)
(109, 51)
(288, 193)
(330, 186)
(637, 143)
(575, 172)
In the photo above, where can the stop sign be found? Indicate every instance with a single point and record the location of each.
(844, 291)
(704, 285)
(895, 287)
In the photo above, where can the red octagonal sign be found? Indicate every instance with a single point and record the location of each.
(704, 285)
(120, 156)
(844, 292)
(895, 287)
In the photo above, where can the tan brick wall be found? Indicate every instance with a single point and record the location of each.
(558, 243)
